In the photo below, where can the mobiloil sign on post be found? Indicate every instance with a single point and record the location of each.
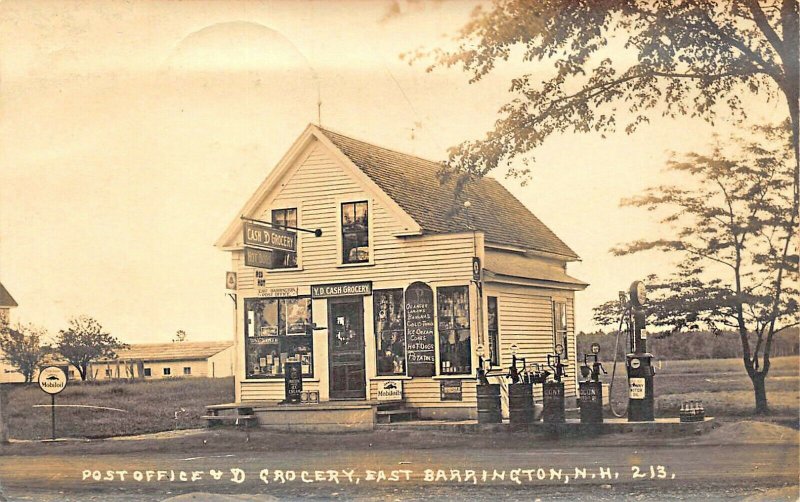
(52, 380)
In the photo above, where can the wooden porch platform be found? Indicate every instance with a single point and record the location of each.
(329, 416)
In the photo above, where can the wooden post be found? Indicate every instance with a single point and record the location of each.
(53, 415)
(3, 428)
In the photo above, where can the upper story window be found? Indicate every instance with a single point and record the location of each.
(355, 232)
(284, 218)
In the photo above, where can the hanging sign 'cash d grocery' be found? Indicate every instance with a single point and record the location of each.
(271, 238)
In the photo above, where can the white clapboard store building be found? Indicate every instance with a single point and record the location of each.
(388, 291)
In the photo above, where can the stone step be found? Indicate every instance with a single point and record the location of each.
(395, 415)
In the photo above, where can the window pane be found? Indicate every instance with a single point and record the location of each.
(284, 218)
(348, 214)
(560, 327)
(298, 315)
(494, 352)
(390, 335)
(455, 347)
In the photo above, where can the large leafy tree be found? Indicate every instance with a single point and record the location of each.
(21, 347)
(85, 341)
(681, 57)
(732, 229)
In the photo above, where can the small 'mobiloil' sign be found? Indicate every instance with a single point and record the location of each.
(390, 390)
(52, 380)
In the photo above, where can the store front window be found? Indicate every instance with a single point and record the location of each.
(390, 335)
(276, 332)
(455, 351)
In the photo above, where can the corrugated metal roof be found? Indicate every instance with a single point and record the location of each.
(414, 184)
(6, 300)
(175, 351)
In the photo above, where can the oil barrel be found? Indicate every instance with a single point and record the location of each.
(553, 400)
(489, 404)
(520, 403)
(591, 402)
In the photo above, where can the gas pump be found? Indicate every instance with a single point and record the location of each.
(639, 361)
(590, 390)
(553, 392)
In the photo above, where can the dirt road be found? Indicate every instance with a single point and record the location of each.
(551, 473)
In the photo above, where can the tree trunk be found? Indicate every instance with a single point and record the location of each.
(760, 389)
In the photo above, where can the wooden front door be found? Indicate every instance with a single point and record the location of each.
(346, 348)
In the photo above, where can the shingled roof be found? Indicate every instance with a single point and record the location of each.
(414, 184)
(175, 351)
(6, 300)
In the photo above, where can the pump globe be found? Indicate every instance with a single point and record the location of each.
(638, 292)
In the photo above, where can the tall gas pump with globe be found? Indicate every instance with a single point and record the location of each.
(639, 362)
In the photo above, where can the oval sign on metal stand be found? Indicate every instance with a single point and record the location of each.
(52, 380)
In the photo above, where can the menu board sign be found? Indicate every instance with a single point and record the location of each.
(293, 381)
(421, 350)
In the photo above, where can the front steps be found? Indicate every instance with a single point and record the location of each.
(390, 413)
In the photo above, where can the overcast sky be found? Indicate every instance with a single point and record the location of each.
(133, 132)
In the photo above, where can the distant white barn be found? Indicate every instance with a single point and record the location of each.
(166, 360)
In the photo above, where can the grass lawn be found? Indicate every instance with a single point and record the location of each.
(149, 406)
(721, 384)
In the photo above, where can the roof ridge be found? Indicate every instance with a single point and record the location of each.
(373, 145)
(473, 177)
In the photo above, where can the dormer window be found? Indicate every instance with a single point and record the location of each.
(355, 232)
(284, 218)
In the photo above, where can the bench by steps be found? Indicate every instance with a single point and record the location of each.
(220, 414)
(393, 412)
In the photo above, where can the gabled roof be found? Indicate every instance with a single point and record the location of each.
(175, 351)
(6, 300)
(411, 189)
(414, 184)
